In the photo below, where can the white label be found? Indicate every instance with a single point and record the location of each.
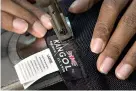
(35, 67)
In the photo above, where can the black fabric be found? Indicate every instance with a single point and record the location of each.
(83, 26)
(68, 48)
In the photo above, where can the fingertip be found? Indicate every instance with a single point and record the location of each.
(97, 45)
(37, 34)
(20, 26)
(119, 77)
(73, 10)
(124, 71)
(46, 21)
(98, 66)
(98, 63)
(104, 63)
(80, 6)
(117, 74)
(38, 30)
(76, 7)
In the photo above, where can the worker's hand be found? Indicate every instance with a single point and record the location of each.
(111, 46)
(20, 16)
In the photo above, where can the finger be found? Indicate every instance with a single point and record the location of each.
(80, 6)
(13, 24)
(43, 17)
(120, 38)
(108, 14)
(127, 65)
(36, 27)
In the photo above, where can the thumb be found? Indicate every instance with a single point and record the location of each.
(79, 6)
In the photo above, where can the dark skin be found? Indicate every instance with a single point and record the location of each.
(109, 47)
(20, 16)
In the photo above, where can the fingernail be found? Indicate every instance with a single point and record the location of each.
(20, 25)
(46, 20)
(74, 4)
(97, 45)
(39, 29)
(124, 71)
(106, 65)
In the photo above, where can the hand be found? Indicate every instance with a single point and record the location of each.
(20, 16)
(110, 47)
